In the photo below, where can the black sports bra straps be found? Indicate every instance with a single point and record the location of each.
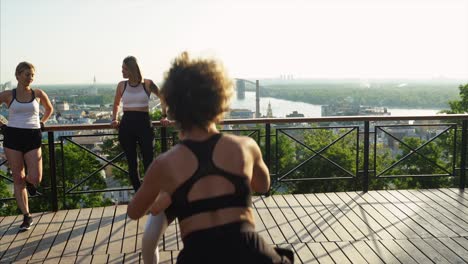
(13, 97)
(182, 208)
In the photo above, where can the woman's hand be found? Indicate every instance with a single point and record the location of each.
(164, 121)
(163, 200)
(115, 123)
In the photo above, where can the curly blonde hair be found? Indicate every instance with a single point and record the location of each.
(196, 91)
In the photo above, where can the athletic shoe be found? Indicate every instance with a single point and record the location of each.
(27, 222)
(31, 188)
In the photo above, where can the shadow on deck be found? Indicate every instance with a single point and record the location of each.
(407, 226)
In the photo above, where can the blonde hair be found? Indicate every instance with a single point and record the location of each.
(133, 68)
(22, 66)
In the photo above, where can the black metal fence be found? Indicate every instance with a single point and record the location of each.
(361, 134)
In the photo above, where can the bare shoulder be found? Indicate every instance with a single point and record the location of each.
(150, 86)
(40, 93)
(172, 153)
(169, 156)
(6, 93)
(162, 164)
(240, 141)
(147, 82)
(6, 96)
(121, 84)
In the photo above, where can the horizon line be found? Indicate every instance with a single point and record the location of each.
(442, 79)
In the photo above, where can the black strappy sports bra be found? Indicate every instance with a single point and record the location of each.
(182, 208)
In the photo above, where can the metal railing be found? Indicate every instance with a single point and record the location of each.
(267, 130)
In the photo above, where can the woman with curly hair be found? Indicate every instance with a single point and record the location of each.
(207, 179)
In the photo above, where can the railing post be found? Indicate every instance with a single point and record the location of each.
(268, 149)
(267, 144)
(464, 142)
(163, 139)
(365, 176)
(52, 167)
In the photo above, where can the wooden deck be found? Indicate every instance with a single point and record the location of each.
(407, 226)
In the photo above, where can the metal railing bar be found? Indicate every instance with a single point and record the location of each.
(103, 190)
(97, 156)
(417, 175)
(318, 154)
(413, 151)
(321, 178)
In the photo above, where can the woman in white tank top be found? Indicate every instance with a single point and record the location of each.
(22, 136)
(135, 128)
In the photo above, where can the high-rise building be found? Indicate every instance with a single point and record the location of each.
(93, 90)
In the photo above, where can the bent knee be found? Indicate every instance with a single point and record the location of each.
(18, 178)
(19, 185)
(35, 180)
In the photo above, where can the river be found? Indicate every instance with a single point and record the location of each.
(281, 108)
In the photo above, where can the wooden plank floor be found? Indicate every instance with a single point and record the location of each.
(404, 226)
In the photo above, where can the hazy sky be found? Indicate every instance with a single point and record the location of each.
(70, 41)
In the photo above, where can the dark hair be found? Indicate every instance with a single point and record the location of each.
(133, 68)
(22, 66)
(196, 91)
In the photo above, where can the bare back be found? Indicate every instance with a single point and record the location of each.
(231, 154)
(239, 156)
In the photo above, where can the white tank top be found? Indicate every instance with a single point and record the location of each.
(135, 96)
(24, 115)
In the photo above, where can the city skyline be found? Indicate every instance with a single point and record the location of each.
(73, 41)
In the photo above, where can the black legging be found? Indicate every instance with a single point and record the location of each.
(231, 243)
(135, 128)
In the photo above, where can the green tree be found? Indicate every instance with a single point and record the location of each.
(78, 164)
(459, 106)
(7, 207)
(383, 159)
(430, 160)
(336, 160)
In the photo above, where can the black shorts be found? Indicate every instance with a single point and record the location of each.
(22, 139)
(231, 243)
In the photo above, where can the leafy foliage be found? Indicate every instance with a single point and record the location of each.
(386, 95)
(459, 106)
(77, 166)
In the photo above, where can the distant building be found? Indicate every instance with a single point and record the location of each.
(240, 114)
(61, 106)
(72, 114)
(351, 108)
(269, 111)
(295, 114)
(93, 89)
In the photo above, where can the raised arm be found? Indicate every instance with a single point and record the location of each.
(45, 102)
(261, 175)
